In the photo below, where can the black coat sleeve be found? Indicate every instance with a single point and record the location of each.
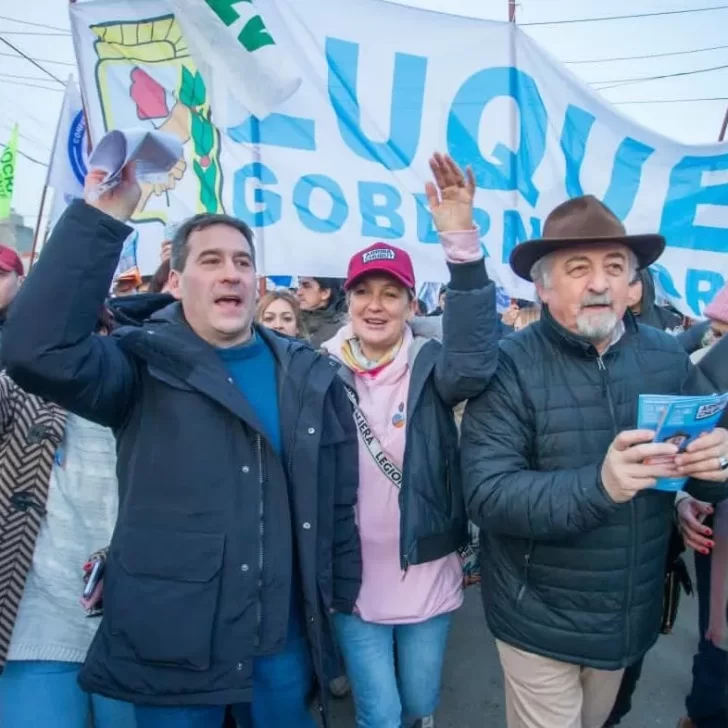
(470, 334)
(502, 493)
(710, 374)
(346, 559)
(692, 339)
(49, 346)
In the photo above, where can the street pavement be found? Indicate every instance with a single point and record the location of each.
(472, 691)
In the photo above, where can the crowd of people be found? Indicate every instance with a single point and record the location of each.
(220, 508)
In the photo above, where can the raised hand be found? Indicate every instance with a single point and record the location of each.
(120, 201)
(451, 196)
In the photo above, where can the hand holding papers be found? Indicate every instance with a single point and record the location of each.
(153, 152)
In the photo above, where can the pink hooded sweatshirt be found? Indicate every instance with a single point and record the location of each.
(388, 595)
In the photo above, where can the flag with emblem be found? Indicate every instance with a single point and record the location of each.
(68, 161)
(237, 56)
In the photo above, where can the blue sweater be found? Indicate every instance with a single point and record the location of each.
(253, 370)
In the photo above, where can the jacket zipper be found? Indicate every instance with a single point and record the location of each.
(261, 534)
(526, 569)
(605, 386)
(632, 515)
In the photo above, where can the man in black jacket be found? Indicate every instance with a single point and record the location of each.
(237, 472)
(642, 303)
(558, 479)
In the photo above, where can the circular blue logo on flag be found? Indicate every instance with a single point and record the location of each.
(77, 147)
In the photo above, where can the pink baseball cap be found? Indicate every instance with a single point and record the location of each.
(10, 261)
(381, 258)
(717, 309)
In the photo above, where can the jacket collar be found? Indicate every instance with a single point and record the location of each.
(167, 343)
(565, 339)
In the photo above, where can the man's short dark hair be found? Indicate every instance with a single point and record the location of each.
(330, 284)
(180, 247)
(336, 286)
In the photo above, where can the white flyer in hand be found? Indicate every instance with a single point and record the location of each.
(154, 152)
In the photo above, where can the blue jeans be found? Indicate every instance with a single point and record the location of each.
(47, 693)
(707, 704)
(385, 697)
(281, 687)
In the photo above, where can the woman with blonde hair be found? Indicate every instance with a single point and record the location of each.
(404, 383)
(280, 310)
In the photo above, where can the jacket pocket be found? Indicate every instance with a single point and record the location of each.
(163, 596)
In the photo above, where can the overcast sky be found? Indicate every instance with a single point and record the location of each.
(36, 109)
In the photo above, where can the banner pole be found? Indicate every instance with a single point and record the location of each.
(513, 122)
(724, 127)
(36, 232)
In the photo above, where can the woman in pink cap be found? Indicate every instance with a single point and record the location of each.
(403, 385)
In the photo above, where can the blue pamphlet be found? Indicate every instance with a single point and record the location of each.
(680, 421)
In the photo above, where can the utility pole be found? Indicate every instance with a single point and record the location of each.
(511, 11)
(724, 127)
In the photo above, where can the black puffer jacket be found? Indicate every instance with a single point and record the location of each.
(650, 313)
(693, 338)
(567, 573)
(195, 541)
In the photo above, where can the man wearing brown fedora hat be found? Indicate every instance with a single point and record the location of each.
(558, 478)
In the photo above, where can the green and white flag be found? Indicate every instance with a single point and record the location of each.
(237, 57)
(7, 173)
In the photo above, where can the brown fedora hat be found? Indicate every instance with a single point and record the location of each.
(583, 221)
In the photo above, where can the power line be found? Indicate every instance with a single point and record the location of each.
(25, 84)
(23, 78)
(35, 25)
(46, 60)
(645, 57)
(669, 101)
(31, 60)
(614, 83)
(30, 32)
(27, 156)
(626, 17)
(44, 124)
(27, 138)
(32, 159)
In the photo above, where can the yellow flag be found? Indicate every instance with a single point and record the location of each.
(7, 173)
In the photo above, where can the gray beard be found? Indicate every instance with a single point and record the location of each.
(596, 327)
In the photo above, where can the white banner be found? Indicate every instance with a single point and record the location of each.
(343, 162)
